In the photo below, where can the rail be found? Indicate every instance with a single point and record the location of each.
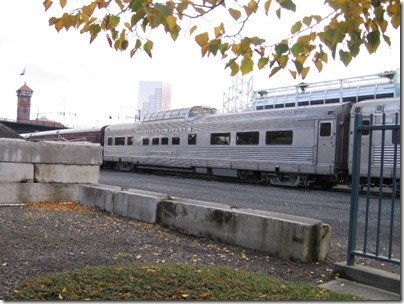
(380, 241)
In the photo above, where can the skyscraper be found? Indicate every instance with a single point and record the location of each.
(153, 96)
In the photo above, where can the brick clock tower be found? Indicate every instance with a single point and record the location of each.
(24, 95)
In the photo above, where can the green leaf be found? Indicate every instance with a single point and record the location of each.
(307, 20)
(124, 44)
(247, 65)
(114, 20)
(262, 62)
(281, 48)
(345, 57)
(297, 48)
(135, 4)
(148, 46)
(296, 27)
(287, 4)
(257, 40)
(274, 71)
(214, 46)
(372, 41)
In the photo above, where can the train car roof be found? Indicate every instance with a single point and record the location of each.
(61, 131)
(374, 106)
(183, 113)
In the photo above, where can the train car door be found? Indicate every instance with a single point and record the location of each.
(325, 144)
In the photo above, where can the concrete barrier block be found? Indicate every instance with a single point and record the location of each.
(80, 174)
(138, 205)
(100, 196)
(15, 193)
(290, 237)
(16, 172)
(73, 153)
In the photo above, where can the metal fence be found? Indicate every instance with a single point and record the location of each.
(375, 221)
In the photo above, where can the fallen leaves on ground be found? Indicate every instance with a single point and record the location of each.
(60, 206)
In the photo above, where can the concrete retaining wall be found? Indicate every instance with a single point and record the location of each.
(278, 234)
(38, 171)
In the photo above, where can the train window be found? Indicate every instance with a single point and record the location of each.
(145, 141)
(247, 138)
(164, 141)
(174, 113)
(192, 139)
(119, 141)
(160, 115)
(130, 140)
(109, 141)
(396, 137)
(325, 129)
(155, 141)
(279, 138)
(195, 111)
(182, 113)
(260, 107)
(175, 140)
(365, 123)
(220, 139)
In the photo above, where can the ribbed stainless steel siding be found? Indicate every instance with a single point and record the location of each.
(388, 156)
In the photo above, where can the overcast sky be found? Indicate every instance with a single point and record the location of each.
(92, 82)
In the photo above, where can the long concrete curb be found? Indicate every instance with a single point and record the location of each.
(278, 234)
(377, 278)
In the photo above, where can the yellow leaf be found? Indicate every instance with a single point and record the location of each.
(235, 13)
(293, 73)
(89, 9)
(47, 4)
(267, 5)
(192, 29)
(305, 71)
(202, 39)
(62, 3)
(171, 22)
(217, 31)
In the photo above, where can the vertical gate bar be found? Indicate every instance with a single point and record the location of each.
(353, 215)
(394, 185)
(379, 211)
(369, 181)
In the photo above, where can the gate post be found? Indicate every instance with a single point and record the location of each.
(356, 160)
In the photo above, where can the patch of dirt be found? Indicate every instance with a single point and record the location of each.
(46, 237)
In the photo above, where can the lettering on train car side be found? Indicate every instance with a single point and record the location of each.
(160, 152)
(171, 130)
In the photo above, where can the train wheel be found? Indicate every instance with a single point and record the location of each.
(274, 180)
(242, 174)
(294, 179)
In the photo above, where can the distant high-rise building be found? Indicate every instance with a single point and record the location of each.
(153, 96)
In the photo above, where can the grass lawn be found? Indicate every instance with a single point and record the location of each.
(139, 282)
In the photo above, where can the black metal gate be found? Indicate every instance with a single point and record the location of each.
(375, 222)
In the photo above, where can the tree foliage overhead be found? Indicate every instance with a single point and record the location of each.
(349, 25)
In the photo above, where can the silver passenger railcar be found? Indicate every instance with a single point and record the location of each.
(373, 113)
(291, 146)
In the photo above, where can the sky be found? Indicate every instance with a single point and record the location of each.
(91, 82)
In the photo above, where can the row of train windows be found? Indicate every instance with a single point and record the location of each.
(242, 138)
